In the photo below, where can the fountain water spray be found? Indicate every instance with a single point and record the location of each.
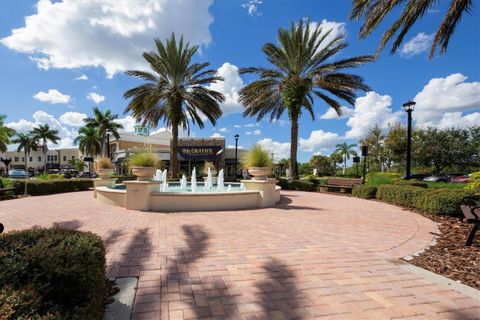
(164, 185)
(242, 186)
(208, 183)
(220, 181)
(183, 182)
(194, 180)
(158, 175)
(229, 188)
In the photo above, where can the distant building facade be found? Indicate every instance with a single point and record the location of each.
(56, 159)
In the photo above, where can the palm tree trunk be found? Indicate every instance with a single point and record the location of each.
(344, 163)
(26, 155)
(173, 153)
(44, 156)
(293, 146)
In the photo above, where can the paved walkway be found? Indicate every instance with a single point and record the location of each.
(312, 256)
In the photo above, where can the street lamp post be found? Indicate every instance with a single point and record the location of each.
(408, 107)
(236, 156)
(364, 155)
(108, 144)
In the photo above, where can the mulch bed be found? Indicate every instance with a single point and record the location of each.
(450, 257)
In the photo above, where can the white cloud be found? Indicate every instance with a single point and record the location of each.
(332, 114)
(95, 97)
(280, 150)
(216, 135)
(53, 96)
(370, 110)
(251, 125)
(456, 119)
(224, 129)
(128, 123)
(337, 28)
(237, 126)
(418, 44)
(82, 77)
(67, 135)
(451, 94)
(257, 132)
(229, 87)
(281, 123)
(74, 119)
(105, 33)
(319, 139)
(252, 7)
(232, 146)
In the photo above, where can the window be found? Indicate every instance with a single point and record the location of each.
(16, 159)
(23, 159)
(55, 158)
(48, 158)
(30, 159)
(39, 158)
(64, 158)
(73, 157)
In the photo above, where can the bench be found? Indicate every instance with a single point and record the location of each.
(471, 213)
(3, 190)
(345, 184)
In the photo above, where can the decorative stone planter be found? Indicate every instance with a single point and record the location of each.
(104, 173)
(144, 173)
(259, 173)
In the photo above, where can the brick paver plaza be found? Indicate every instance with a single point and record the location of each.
(313, 256)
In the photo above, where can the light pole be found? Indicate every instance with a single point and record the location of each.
(236, 156)
(364, 155)
(408, 107)
(108, 143)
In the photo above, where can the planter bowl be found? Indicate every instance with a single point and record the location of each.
(259, 173)
(144, 173)
(104, 173)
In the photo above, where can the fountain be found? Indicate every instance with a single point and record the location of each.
(194, 180)
(208, 182)
(220, 181)
(183, 182)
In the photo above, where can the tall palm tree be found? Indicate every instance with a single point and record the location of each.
(302, 69)
(6, 134)
(89, 142)
(104, 123)
(345, 150)
(44, 134)
(374, 11)
(175, 92)
(27, 143)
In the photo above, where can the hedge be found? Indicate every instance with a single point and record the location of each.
(437, 201)
(411, 183)
(298, 185)
(44, 187)
(400, 195)
(364, 191)
(442, 201)
(52, 274)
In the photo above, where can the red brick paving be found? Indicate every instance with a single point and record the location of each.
(313, 256)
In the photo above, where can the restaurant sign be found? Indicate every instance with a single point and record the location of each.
(198, 153)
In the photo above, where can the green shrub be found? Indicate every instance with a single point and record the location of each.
(144, 159)
(121, 179)
(52, 274)
(257, 157)
(379, 178)
(474, 183)
(364, 191)
(442, 201)
(44, 187)
(400, 195)
(298, 185)
(411, 183)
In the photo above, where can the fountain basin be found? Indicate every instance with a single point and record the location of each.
(146, 195)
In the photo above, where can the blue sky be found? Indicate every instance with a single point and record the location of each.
(56, 54)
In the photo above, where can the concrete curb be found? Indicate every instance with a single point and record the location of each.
(121, 308)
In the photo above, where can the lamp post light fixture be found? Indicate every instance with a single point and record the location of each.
(364, 155)
(408, 107)
(356, 160)
(108, 132)
(236, 156)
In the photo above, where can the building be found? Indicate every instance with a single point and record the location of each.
(192, 152)
(56, 159)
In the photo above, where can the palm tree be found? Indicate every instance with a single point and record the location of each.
(175, 91)
(302, 69)
(6, 134)
(345, 150)
(374, 11)
(27, 143)
(45, 134)
(104, 123)
(78, 164)
(88, 141)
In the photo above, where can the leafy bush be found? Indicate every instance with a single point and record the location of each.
(364, 191)
(411, 183)
(121, 178)
(400, 195)
(442, 201)
(50, 176)
(298, 185)
(44, 187)
(474, 183)
(379, 178)
(444, 185)
(257, 157)
(52, 274)
(104, 163)
(144, 159)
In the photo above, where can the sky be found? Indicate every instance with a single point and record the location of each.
(58, 59)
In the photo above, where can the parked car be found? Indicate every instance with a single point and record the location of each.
(437, 178)
(418, 176)
(18, 174)
(460, 179)
(86, 175)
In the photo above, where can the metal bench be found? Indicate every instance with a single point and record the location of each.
(345, 184)
(471, 213)
(3, 190)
